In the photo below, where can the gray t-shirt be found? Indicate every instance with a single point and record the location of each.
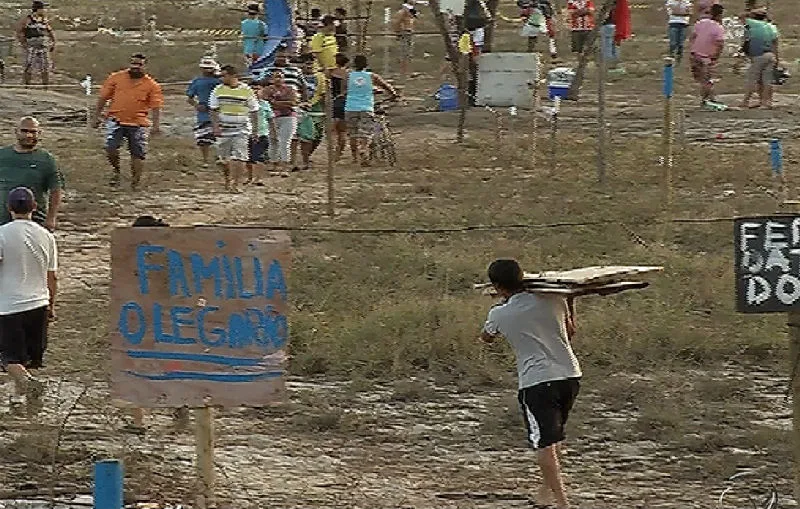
(535, 325)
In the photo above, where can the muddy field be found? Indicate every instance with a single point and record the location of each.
(393, 401)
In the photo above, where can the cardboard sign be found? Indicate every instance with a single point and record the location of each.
(767, 264)
(198, 316)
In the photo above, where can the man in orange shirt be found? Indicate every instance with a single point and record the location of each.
(132, 95)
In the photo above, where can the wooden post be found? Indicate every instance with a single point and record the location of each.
(602, 68)
(204, 447)
(359, 26)
(463, 98)
(554, 134)
(535, 106)
(364, 24)
(87, 87)
(776, 156)
(329, 142)
(667, 131)
(387, 17)
(682, 129)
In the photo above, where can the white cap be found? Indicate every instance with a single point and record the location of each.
(208, 63)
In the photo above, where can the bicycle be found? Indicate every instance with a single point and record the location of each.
(769, 502)
(381, 145)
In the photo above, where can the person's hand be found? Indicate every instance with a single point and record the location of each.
(155, 130)
(50, 224)
(217, 131)
(201, 108)
(96, 123)
(51, 313)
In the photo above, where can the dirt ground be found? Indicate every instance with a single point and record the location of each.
(393, 404)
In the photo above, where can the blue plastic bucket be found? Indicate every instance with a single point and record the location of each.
(447, 95)
(560, 90)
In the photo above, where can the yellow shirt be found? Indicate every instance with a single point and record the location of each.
(325, 48)
(465, 44)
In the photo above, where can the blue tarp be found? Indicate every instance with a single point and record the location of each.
(279, 25)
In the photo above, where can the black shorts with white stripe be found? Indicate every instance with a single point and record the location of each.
(545, 408)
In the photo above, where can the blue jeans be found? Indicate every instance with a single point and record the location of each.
(677, 37)
(609, 49)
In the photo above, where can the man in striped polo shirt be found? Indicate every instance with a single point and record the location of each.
(234, 112)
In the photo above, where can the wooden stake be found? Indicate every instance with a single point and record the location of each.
(387, 16)
(463, 96)
(667, 130)
(204, 446)
(602, 68)
(554, 134)
(329, 142)
(535, 106)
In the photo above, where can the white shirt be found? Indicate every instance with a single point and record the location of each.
(535, 325)
(679, 5)
(27, 253)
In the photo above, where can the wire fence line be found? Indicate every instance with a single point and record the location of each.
(487, 227)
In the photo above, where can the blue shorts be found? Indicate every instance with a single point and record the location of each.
(136, 135)
(258, 149)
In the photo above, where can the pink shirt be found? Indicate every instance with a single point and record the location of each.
(707, 35)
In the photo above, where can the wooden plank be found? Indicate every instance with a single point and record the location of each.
(198, 316)
(601, 289)
(585, 276)
(588, 275)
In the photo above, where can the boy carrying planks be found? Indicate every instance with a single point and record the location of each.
(539, 328)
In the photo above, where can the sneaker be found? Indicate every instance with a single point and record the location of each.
(115, 181)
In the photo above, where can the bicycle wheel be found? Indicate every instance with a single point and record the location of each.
(389, 148)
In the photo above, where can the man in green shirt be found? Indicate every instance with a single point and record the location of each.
(761, 45)
(24, 165)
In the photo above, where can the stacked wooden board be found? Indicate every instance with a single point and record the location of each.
(605, 280)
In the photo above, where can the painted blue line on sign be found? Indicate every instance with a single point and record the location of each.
(207, 377)
(195, 357)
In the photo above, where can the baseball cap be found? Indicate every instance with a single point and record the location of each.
(208, 63)
(21, 200)
(38, 4)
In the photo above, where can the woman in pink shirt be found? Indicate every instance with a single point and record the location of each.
(708, 40)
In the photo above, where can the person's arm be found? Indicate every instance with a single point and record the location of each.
(385, 85)
(319, 92)
(20, 32)
(491, 329)
(775, 49)
(52, 34)
(156, 103)
(253, 106)
(191, 96)
(106, 93)
(52, 278)
(53, 206)
(719, 45)
(291, 102)
(53, 185)
(570, 318)
(213, 105)
(303, 88)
